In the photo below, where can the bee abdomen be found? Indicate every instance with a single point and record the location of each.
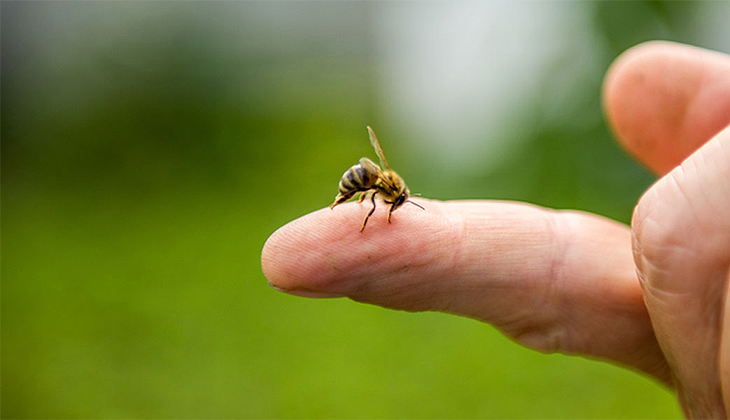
(356, 178)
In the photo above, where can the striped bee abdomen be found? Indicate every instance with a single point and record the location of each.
(357, 179)
(360, 177)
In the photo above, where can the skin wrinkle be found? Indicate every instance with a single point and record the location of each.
(642, 226)
(557, 259)
(711, 155)
(660, 296)
(666, 258)
(703, 343)
(473, 231)
(460, 236)
(673, 179)
(459, 240)
(506, 283)
(661, 238)
(702, 188)
(644, 214)
(557, 244)
(655, 296)
(549, 335)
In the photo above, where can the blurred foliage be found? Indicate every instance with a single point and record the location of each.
(149, 149)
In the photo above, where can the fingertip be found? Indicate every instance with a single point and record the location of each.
(288, 248)
(324, 253)
(268, 258)
(621, 73)
(663, 100)
(643, 102)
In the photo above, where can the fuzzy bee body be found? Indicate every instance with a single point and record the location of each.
(358, 178)
(370, 180)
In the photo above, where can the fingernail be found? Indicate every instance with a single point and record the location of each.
(307, 293)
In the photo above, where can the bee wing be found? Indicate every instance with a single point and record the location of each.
(378, 149)
(369, 165)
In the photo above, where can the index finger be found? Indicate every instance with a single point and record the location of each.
(552, 280)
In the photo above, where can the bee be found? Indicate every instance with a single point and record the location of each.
(370, 180)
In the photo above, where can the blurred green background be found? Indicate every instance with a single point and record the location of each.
(150, 148)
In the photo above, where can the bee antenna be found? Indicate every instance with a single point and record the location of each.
(415, 204)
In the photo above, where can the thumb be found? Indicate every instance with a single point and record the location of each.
(681, 233)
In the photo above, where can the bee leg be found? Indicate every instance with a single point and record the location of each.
(363, 195)
(390, 211)
(370, 213)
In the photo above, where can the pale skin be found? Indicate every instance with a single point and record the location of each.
(650, 296)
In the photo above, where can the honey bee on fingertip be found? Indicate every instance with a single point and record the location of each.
(370, 180)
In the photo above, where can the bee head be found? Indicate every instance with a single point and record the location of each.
(401, 199)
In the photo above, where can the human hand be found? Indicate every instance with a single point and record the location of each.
(665, 100)
(566, 281)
